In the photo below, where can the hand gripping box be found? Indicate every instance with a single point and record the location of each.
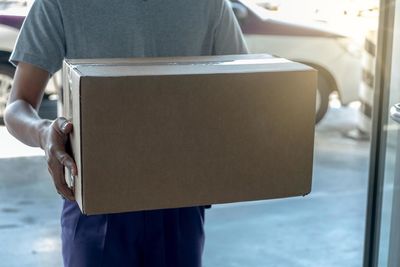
(153, 133)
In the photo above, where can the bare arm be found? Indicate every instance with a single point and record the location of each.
(21, 116)
(23, 122)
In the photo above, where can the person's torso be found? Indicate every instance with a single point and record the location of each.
(138, 28)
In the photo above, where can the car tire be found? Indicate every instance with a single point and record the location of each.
(6, 76)
(322, 99)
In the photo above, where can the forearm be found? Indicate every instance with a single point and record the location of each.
(24, 123)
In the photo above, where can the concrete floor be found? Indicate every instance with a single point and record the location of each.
(324, 229)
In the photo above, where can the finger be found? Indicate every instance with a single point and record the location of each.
(62, 188)
(63, 125)
(50, 171)
(58, 189)
(57, 185)
(67, 161)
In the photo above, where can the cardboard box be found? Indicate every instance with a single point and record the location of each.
(173, 132)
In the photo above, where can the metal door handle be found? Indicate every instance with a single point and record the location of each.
(395, 112)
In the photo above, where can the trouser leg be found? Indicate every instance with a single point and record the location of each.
(160, 238)
(100, 240)
(83, 237)
(174, 237)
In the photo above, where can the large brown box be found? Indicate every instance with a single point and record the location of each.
(174, 132)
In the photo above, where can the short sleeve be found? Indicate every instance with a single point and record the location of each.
(41, 40)
(228, 38)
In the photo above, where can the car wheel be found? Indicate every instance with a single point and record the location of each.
(322, 99)
(6, 78)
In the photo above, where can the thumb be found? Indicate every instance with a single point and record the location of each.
(64, 125)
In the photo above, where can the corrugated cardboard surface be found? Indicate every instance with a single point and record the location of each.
(162, 141)
(71, 110)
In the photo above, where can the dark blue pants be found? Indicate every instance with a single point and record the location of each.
(159, 238)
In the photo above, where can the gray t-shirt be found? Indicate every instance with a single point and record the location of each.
(58, 29)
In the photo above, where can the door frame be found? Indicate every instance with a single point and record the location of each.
(378, 137)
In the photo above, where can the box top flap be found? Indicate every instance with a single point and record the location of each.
(119, 67)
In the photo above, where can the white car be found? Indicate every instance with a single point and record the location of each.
(303, 31)
(10, 22)
(289, 28)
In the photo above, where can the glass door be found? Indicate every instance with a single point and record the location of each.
(382, 247)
